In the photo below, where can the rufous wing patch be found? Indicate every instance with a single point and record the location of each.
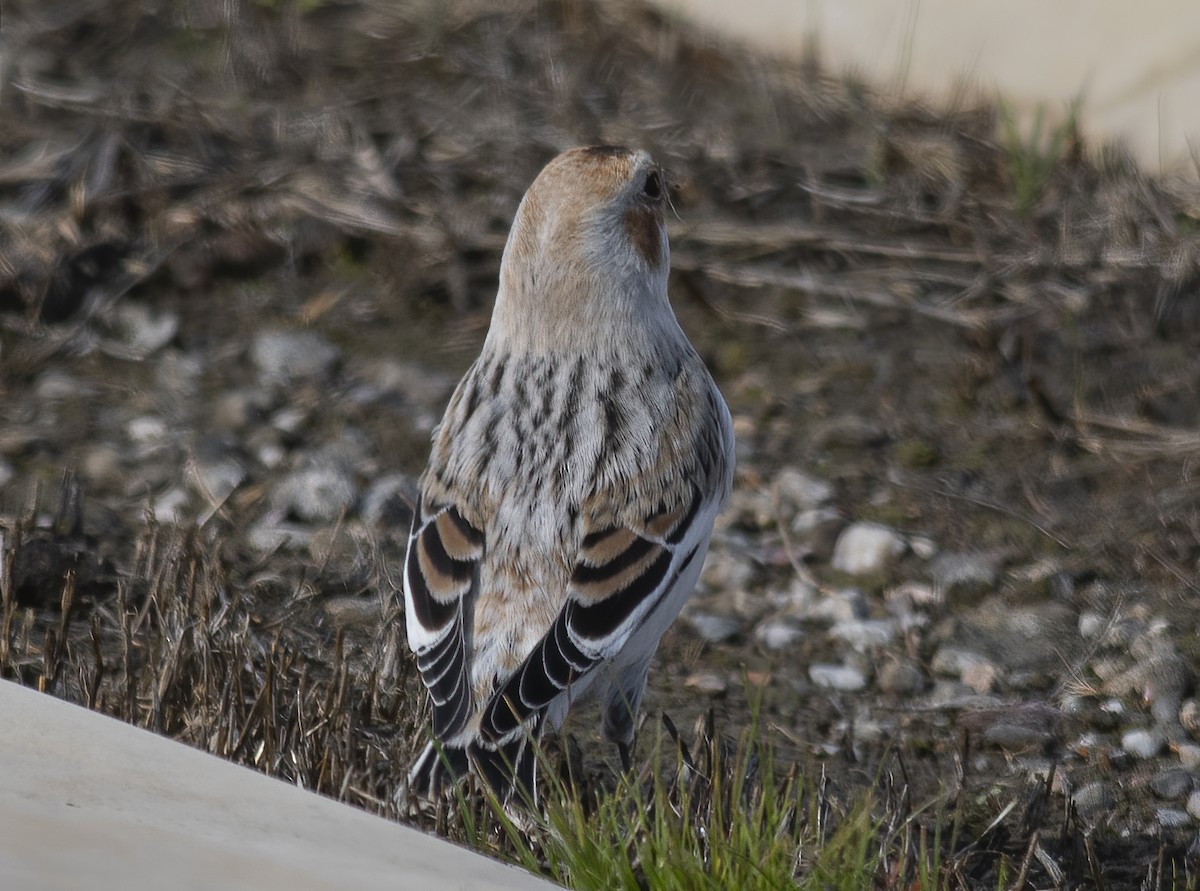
(461, 540)
(600, 548)
(593, 584)
(446, 577)
(662, 524)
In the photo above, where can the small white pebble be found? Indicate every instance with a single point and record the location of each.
(778, 635)
(146, 429)
(864, 548)
(1091, 624)
(1193, 804)
(1142, 743)
(1189, 754)
(837, 677)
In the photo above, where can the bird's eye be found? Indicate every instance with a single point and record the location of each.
(652, 188)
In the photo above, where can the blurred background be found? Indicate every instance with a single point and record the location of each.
(1133, 69)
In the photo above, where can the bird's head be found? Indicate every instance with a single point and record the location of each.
(588, 247)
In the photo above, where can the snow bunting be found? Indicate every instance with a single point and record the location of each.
(573, 481)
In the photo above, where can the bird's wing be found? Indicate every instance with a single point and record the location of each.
(441, 576)
(622, 573)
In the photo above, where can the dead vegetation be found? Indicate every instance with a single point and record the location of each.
(355, 164)
(192, 642)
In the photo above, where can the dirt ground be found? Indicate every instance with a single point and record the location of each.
(983, 341)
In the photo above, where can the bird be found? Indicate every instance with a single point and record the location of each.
(572, 486)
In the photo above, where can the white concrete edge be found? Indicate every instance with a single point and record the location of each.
(87, 801)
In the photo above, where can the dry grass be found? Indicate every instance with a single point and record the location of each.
(193, 642)
(189, 642)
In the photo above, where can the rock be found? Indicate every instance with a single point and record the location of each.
(389, 502)
(171, 506)
(971, 669)
(315, 494)
(1189, 717)
(798, 596)
(1143, 743)
(1193, 804)
(706, 682)
(1172, 784)
(925, 548)
(102, 465)
(864, 634)
(712, 627)
(6, 473)
(269, 454)
(1171, 818)
(951, 661)
(270, 534)
(842, 605)
(905, 598)
(1028, 643)
(753, 508)
(143, 332)
(846, 678)
(960, 575)
(1189, 755)
(54, 385)
(818, 529)
(289, 420)
(416, 382)
(237, 409)
(980, 676)
(146, 430)
(350, 448)
(727, 571)
(1159, 677)
(1092, 624)
(1093, 800)
(778, 634)
(286, 357)
(899, 677)
(216, 479)
(798, 491)
(865, 548)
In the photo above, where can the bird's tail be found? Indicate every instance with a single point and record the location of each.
(436, 764)
(508, 768)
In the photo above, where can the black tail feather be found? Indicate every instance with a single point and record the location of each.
(436, 765)
(508, 769)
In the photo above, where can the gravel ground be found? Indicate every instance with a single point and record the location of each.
(244, 266)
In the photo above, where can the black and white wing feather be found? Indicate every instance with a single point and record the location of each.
(441, 577)
(622, 575)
